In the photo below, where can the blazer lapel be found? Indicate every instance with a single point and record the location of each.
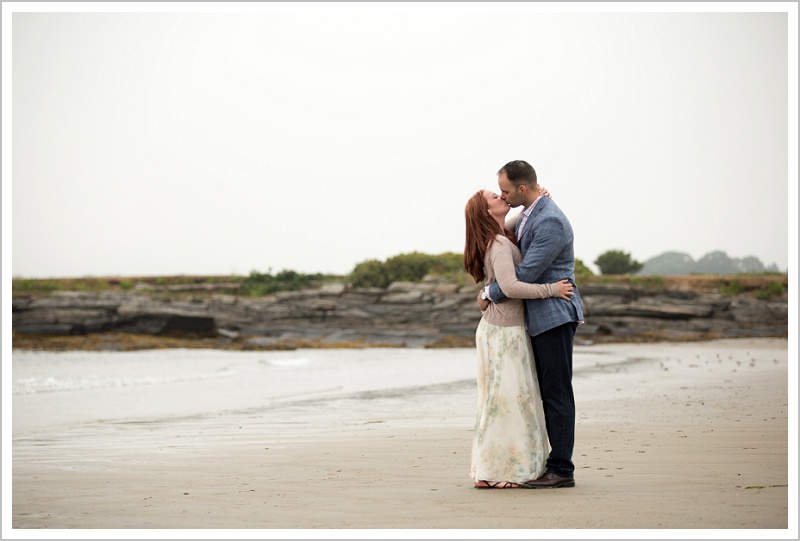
(529, 222)
(534, 211)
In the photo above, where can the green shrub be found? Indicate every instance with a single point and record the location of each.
(582, 272)
(258, 284)
(734, 287)
(410, 267)
(654, 283)
(32, 285)
(369, 273)
(447, 265)
(771, 290)
(617, 262)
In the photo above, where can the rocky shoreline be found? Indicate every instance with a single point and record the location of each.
(433, 313)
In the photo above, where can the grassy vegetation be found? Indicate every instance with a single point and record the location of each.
(760, 285)
(770, 289)
(734, 287)
(773, 289)
(766, 285)
(412, 267)
(260, 284)
(115, 341)
(255, 284)
(654, 284)
(21, 286)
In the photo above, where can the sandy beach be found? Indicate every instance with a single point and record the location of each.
(675, 436)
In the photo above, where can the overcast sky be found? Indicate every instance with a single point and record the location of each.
(221, 143)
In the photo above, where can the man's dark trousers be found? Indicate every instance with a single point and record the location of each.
(552, 351)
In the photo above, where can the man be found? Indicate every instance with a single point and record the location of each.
(545, 238)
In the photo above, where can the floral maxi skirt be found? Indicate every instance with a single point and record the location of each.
(510, 439)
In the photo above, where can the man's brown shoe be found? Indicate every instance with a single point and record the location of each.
(550, 480)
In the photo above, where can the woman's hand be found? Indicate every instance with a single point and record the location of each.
(483, 304)
(564, 290)
(543, 191)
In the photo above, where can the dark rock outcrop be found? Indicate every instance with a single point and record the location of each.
(404, 314)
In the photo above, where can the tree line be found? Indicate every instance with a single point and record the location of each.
(414, 266)
(672, 263)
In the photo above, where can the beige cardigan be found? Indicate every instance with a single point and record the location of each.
(500, 265)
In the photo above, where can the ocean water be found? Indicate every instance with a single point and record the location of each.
(182, 396)
(53, 389)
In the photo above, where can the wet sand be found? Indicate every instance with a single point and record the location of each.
(679, 436)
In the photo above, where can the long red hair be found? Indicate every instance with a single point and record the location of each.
(481, 232)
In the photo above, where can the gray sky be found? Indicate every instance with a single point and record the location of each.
(222, 143)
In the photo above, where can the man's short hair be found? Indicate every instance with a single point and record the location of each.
(519, 172)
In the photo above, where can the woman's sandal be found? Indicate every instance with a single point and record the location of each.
(498, 484)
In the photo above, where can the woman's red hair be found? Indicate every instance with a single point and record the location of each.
(481, 232)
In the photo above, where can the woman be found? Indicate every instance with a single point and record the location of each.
(509, 446)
